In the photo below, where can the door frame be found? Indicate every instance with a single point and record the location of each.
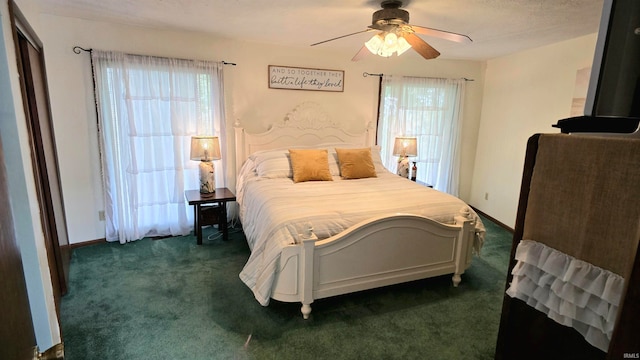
(41, 169)
(54, 227)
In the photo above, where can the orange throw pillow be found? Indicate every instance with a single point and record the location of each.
(310, 165)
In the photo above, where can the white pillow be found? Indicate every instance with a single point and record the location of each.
(377, 159)
(273, 164)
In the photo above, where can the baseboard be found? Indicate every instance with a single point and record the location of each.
(86, 243)
(502, 225)
(100, 241)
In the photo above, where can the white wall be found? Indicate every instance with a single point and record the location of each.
(524, 94)
(248, 97)
(22, 191)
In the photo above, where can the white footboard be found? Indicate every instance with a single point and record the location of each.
(378, 252)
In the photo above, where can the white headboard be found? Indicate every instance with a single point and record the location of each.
(306, 125)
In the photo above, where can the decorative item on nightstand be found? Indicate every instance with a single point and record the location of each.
(206, 149)
(403, 148)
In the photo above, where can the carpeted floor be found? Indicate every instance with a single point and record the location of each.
(172, 299)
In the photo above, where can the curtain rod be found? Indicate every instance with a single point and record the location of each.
(365, 74)
(78, 50)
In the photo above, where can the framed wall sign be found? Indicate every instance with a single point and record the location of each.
(296, 78)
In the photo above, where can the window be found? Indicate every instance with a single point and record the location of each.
(148, 109)
(430, 110)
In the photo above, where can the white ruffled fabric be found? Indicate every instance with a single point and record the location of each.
(570, 291)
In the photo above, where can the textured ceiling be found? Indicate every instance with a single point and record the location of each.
(497, 27)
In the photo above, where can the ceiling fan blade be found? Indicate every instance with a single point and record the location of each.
(420, 46)
(361, 53)
(447, 35)
(343, 36)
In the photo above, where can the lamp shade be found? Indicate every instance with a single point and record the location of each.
(205, 148)
(403, 46)
(374, 44)
(405, 146)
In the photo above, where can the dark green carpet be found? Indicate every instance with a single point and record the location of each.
(172, 299)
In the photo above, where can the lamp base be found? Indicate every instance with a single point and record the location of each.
(403, 166)
(207, 178)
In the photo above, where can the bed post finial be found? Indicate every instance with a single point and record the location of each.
(307, 232)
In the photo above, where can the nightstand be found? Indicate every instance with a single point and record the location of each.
(210, 210)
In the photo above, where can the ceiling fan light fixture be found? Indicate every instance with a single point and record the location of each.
(374, 44)
(386, 44)
(403, 45)
(396, 35)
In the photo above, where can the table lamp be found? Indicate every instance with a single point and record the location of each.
(403, 148)
(206, 149)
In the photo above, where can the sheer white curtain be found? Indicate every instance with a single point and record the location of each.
(148, 109)
(431, 110)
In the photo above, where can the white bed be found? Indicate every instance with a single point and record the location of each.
(315, 239)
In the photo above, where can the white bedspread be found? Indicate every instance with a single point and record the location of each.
(274, 211)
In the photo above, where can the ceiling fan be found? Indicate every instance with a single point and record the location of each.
(396, 35)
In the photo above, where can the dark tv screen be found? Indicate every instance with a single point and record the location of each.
(614, 86)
